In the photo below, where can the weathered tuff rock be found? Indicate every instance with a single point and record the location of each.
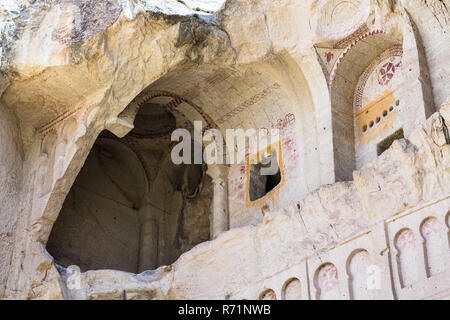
(411, 173)
(85, 60)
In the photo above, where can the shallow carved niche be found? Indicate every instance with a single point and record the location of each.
(69, 129)
(338, 19)
(327, 282)
(48, 149)
(62, 155)
(358, 267)
(98, 226)
(376, 99)
(292, 290)
(405, 242)
(433, 235)
(90, 114)
(447, 219)
(268, 295)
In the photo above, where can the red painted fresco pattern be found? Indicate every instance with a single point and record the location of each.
(350, 47)
(328, 278)
(430, 227)
(406, 240)
(329, 56)
(386, 73)
(284, 123)
(248, 103)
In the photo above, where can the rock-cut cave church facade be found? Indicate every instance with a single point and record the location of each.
(94, 207)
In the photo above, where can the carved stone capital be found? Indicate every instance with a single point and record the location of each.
(218, 172)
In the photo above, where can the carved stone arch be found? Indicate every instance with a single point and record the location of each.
(46, 170)
(338, 19)
(48, 142)
(98, 226)
(272, 94)
(68, 129)
(434, 244)
(405, 242)
(344, 79)
(268, 294)
(447, 223)
(292, 289)
(358, 263)
(326, 281)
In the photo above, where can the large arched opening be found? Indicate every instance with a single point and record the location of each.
(131, 208)
(348, 78)
(153, 210)
(378, 91)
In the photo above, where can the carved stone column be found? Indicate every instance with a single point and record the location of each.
(148, 242)
(219, 206)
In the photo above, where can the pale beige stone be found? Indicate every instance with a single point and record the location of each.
(88, 92)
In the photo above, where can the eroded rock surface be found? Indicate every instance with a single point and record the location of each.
(339, 85)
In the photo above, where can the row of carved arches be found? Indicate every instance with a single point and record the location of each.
(358, 269)
(326, 281)
(291, 290)
(430, 243)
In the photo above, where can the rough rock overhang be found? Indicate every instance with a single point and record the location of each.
(73, 59)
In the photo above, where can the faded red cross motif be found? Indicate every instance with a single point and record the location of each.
(329, 56)
(290, 119)
(406, 240)
(386, 73)
(430, 227)
(328, 278)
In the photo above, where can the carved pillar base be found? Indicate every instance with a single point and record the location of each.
(219, 206)
(148, 242)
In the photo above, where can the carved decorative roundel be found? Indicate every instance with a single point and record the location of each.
(339, 19)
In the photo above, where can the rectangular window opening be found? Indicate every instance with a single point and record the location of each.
(264, 177)
(386, 143)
